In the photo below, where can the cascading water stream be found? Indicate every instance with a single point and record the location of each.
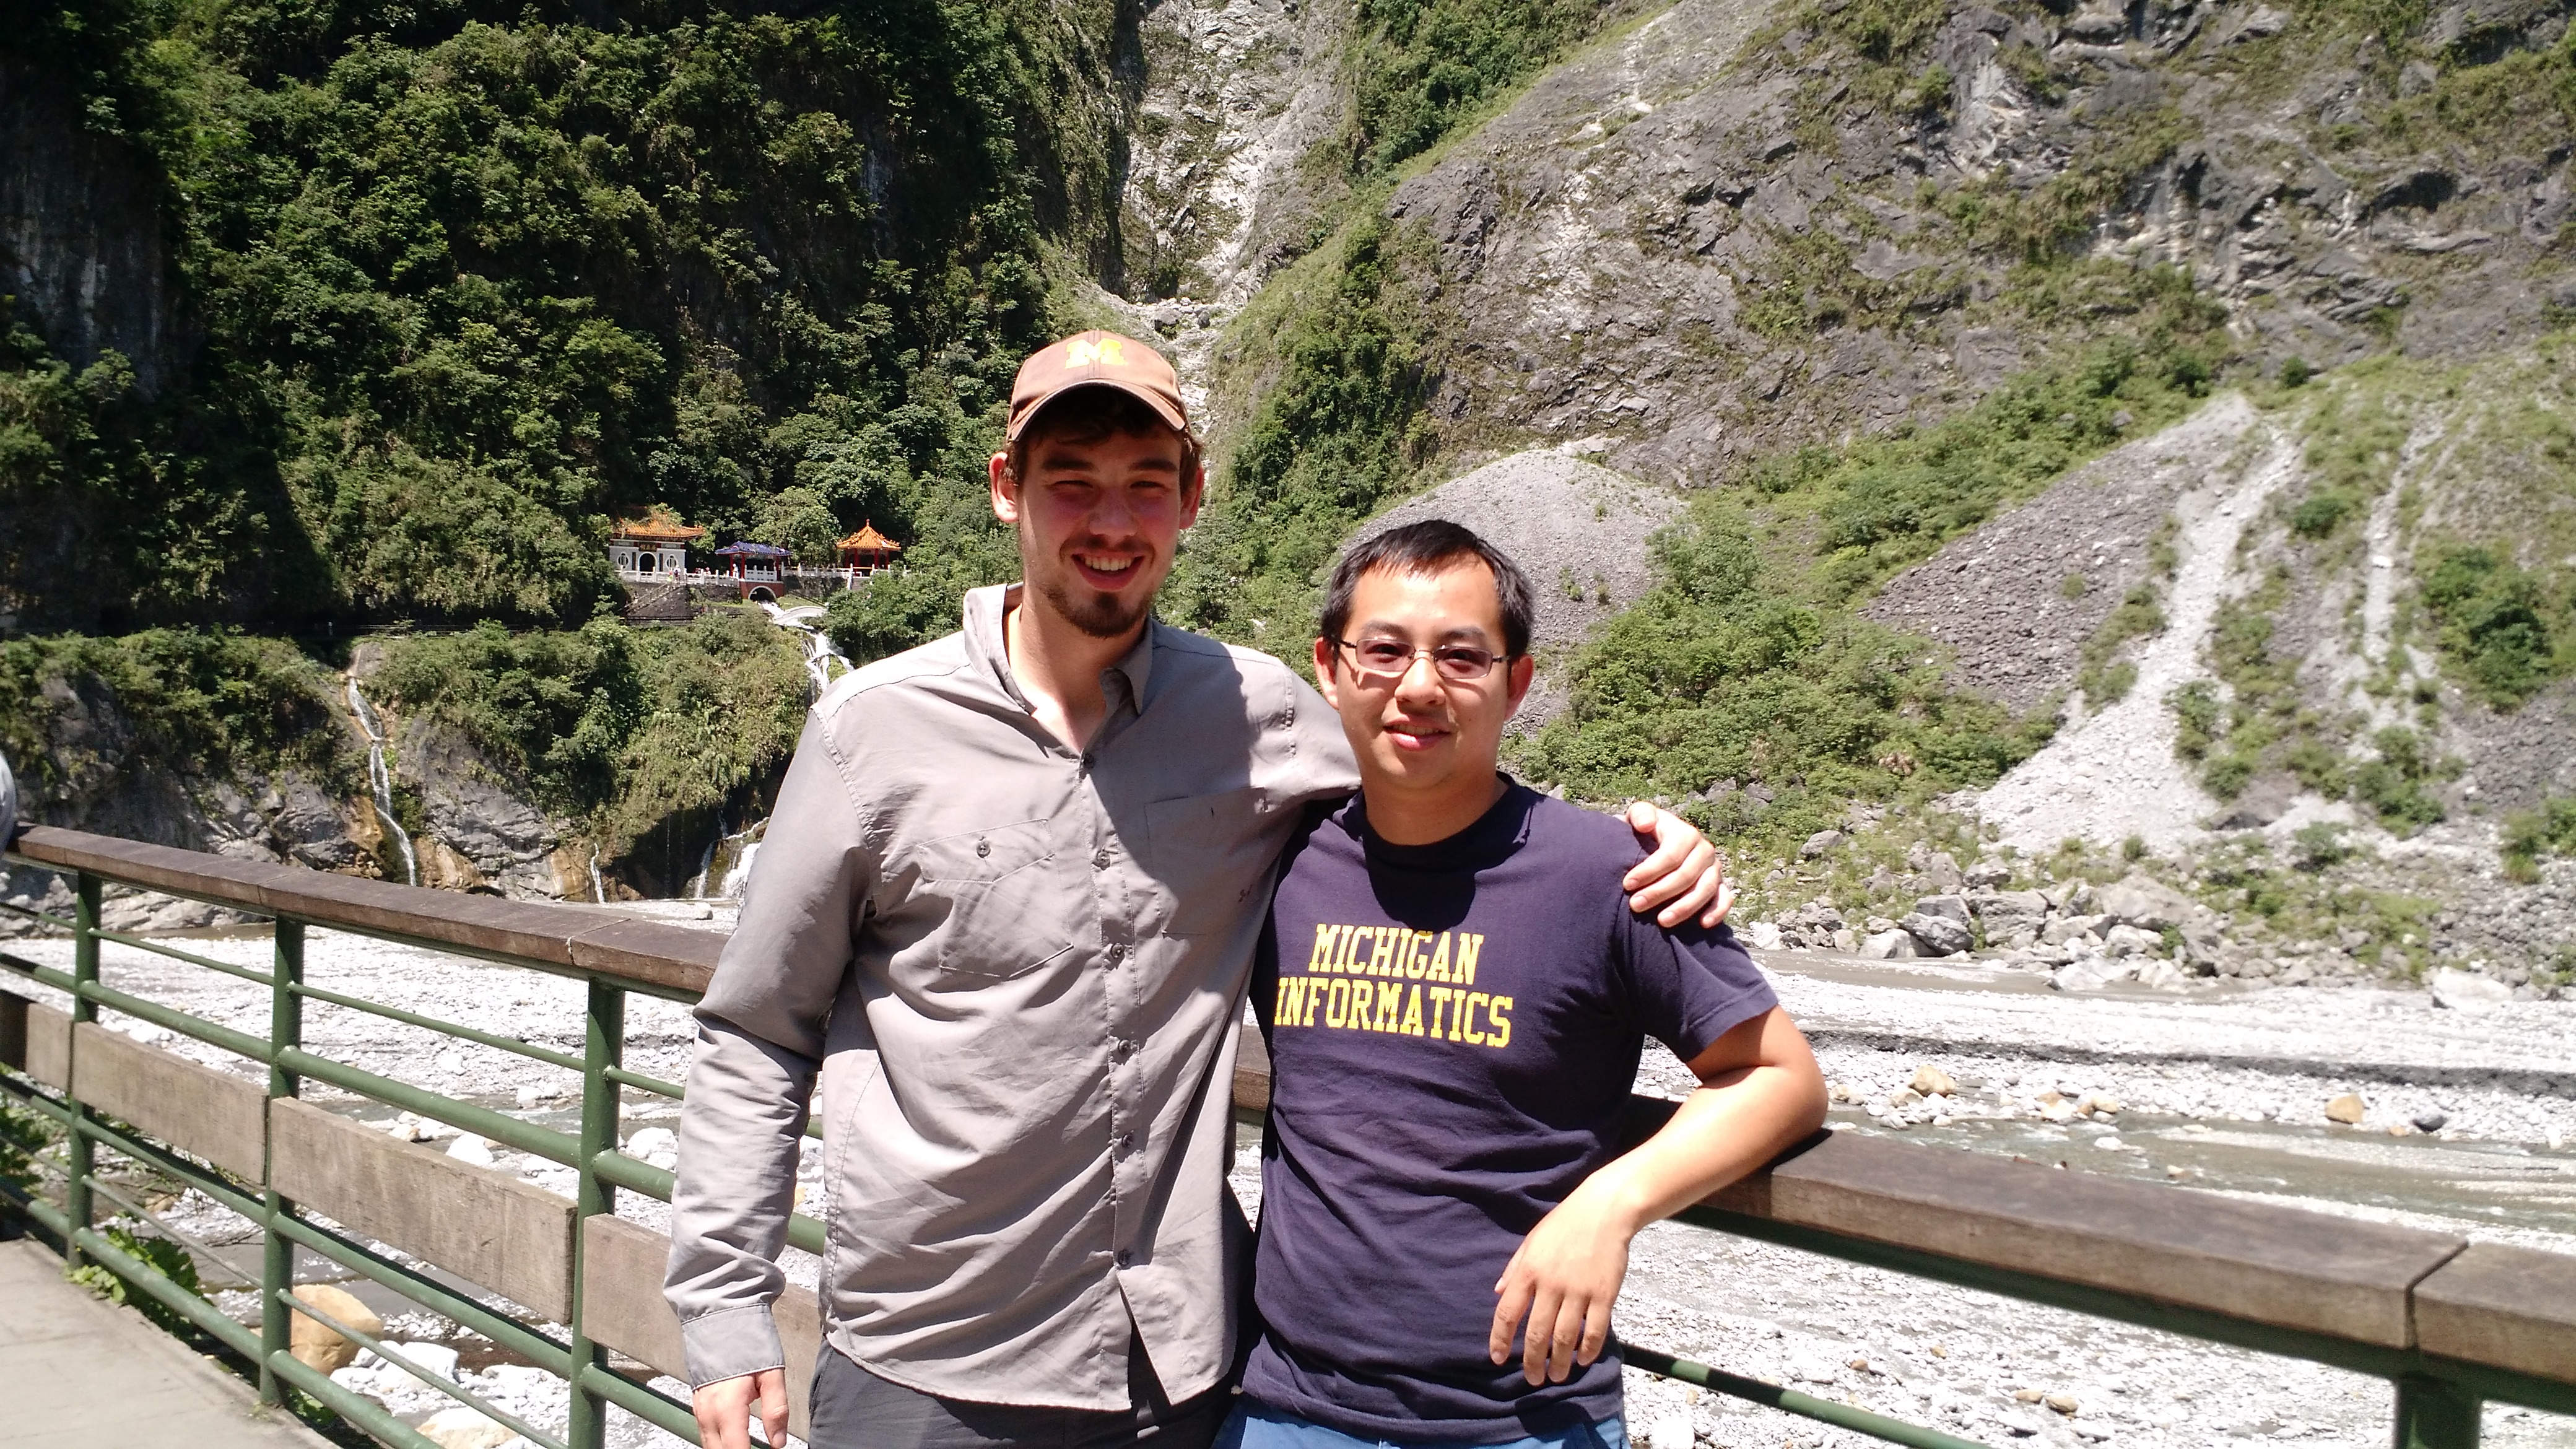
(698, 883)
(734, 879)
(818, 647)
(380, 780)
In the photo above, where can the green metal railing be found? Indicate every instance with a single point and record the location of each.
(2438, 1400)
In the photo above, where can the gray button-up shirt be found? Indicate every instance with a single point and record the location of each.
(1018, 972)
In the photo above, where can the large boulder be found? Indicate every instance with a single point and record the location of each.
(318, 1346)
(1896, 945)
(1938, 935)
(1953, 907)
(2455, 990)
(2135, 900)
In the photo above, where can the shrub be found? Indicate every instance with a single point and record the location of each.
(2318, 516)
(159, 1254)
(2501, 632)
(2318, 845)
(2531, 836)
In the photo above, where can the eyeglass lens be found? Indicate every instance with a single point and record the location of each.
(1460, 662)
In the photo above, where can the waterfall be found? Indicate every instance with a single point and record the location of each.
(818, 647)
(731, 890)
(697, 887)
(380, 780)
(598, 887)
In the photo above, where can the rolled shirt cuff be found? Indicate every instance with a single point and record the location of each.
(729, 1343)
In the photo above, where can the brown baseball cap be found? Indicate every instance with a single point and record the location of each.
(1102, 359)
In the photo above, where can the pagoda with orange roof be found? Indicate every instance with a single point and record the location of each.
(867, 550)
(655, 546)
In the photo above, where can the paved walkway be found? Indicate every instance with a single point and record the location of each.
(76, 1370)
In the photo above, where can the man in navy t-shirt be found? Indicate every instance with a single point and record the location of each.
(1455, 996)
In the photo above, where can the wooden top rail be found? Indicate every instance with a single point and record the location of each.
(654, 955)
(2374, 1286)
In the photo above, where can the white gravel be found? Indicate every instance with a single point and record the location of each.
(2111, 773)
(2229, 1089)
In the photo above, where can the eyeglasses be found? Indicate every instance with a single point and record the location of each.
(1459, 663)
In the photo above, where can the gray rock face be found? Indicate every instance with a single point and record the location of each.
(474, 813)
(80, 233)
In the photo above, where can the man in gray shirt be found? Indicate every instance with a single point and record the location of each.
(1005, 915)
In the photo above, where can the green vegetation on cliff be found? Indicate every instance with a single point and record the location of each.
(201, 702)
(471, 280)
(626, 730)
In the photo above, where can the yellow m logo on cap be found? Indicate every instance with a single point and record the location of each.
(1107, 351)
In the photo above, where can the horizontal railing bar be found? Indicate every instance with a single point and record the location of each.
(160, 1289)
(673, 1090)
(483, 928)
(497, 958)
(438, 1381)
(2202, 1323)
(145, 943)
(517, 1337)
(356, 1408)
(211, 1033)
(1790, 1401)
(514, 1045)
(195, 1246)
(642, 1083)
(500, 1127)
(658, 1183)
(62, 981)
(627, 1172)
(658, 1409)
(52, 1221)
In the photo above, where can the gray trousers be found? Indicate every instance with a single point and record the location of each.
(854, 1409)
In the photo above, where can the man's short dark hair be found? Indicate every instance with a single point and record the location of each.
(1432, 546)
(1088, 414)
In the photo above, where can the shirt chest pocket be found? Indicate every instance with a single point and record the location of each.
(1007, 914)
(1212, 853)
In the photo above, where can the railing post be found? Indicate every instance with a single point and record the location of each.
(603, 1047)
(77, 1148)
(2436, 1414)
(277, 1251)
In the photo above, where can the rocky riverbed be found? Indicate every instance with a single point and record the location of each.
(2463, 1121)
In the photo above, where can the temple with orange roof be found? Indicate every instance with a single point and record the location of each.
(654, 546)
(867, 550)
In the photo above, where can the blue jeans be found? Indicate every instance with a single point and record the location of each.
(1259, 1426)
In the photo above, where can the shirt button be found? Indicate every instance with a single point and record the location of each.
(1122, 1144)
(983, 847)
(1120, 1049)
(1125, 1257)
(1100, 860)
(1117, 951)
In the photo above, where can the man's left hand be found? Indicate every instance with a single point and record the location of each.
(1682, 876)
(1563, 1279)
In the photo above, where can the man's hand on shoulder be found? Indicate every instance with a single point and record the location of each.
(1681, 877)
(1563, 1280)
(724, 1409)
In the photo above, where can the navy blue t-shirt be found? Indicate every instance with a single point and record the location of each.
(1453, 1029)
